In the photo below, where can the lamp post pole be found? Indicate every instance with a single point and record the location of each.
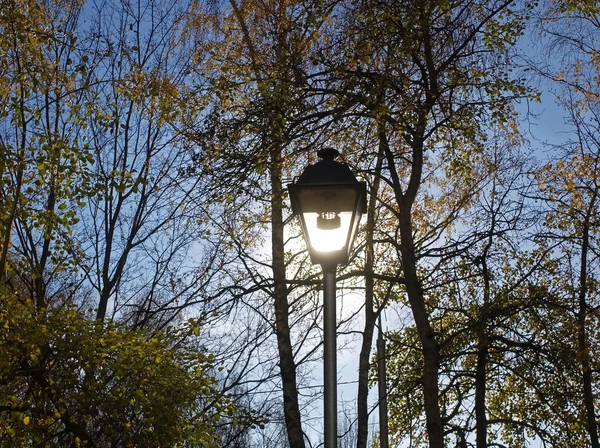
(329, 356)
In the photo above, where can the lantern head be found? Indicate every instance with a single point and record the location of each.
(329, 201)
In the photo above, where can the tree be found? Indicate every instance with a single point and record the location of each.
(144, 151)
(150, 210)
(432, 84)
(45, 165)
(94, 180)
(480, 299)
(569, 184)
(71, 381)
(259, 117)
(570, 187)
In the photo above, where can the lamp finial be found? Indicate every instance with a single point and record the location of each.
(328, 153)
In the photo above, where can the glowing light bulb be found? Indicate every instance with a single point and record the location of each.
(328, 221)
(328, 233)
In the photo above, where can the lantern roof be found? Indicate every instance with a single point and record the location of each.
(327, 170)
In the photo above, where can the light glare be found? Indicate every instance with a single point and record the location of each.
(327, 240)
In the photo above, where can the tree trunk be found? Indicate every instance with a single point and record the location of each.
(291, 407)
(382, 385)
(370, 318)
(414, 289)
(481, 422)
(426, 335)
(583, 346)
(480, 388)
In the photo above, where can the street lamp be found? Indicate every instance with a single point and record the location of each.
(329, 201)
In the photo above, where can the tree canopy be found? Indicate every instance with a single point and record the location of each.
(154, 285)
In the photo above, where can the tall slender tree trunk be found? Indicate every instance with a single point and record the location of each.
(583, 346)
(414, 289)
(481, 367)
(382, 386)
(273, 133)
(291, 406)
(370, 317)
(429, 344)
(480, 388)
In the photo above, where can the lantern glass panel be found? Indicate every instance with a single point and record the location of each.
(327, 240)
